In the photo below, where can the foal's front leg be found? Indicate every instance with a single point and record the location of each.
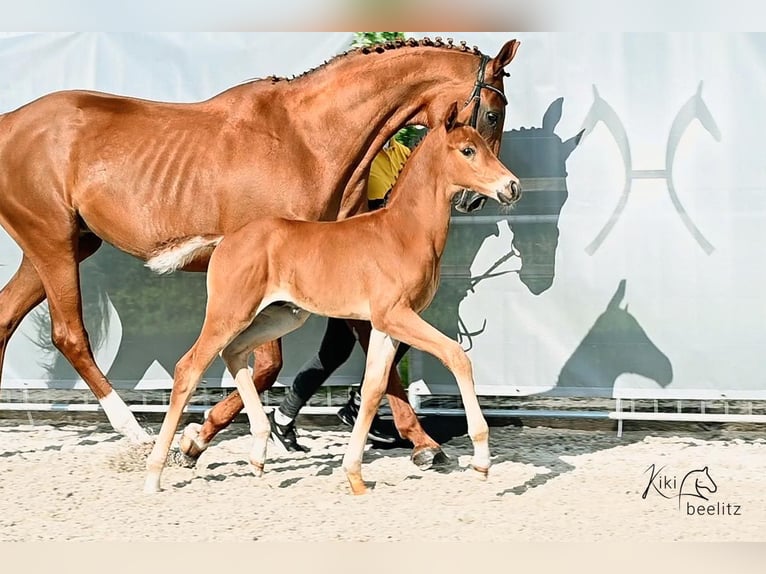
(407, 326)
(380, 357)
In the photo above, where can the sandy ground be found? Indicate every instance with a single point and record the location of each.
(80, 481)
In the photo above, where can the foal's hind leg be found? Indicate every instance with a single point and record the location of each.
(196, 438)
(407, 326)
(186, 377)
(236, 362)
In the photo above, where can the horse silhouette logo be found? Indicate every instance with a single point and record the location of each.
(694, 484)
(694, 109)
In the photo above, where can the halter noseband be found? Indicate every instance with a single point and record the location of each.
(477, 87)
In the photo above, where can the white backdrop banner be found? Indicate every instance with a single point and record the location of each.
(631, 266)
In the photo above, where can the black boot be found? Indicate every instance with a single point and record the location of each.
(349, 412)
(285, 435)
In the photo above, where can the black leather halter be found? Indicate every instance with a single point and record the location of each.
(477, 87)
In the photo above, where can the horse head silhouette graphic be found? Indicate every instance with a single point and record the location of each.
(614, 345)
(538, 156)
(694, 483)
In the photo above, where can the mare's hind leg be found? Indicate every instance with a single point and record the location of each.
(380, 357)
(25, 291)
(407, 326)
(19, 296)
(196, 438)
(28, 287)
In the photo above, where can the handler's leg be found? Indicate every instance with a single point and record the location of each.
(335, 349)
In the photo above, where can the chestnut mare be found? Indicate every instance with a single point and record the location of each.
(78, 168)
(267, 277)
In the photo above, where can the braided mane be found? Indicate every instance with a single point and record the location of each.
(381, 47)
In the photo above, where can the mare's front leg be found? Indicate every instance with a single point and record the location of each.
(407, 326)
(196, 438)
(380, 357)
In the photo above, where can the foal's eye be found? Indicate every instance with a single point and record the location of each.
(468, 151)
(492, 118)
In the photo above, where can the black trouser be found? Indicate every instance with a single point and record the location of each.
(336, 347)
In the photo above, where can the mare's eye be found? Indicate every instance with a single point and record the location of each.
(492, 118)
(468, 151)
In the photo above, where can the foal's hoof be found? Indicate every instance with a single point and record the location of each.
(257, 468)
(429, 457)
(482, 472)
(190, 444)
(152, 484)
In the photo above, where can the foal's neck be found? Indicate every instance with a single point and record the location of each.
(420, 204)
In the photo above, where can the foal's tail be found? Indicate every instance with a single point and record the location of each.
(178, 253)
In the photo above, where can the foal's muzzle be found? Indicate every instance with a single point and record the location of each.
(513, 194)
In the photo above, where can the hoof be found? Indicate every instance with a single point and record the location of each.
(152, 485)
(357, 487)
(257, 468)
(190, 444)
(482, 471)
(429, 457)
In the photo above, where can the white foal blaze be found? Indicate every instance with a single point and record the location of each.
(179, 255)
(122, 419)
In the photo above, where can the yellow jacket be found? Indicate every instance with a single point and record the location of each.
(385, 169)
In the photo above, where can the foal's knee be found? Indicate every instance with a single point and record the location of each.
(457, 361)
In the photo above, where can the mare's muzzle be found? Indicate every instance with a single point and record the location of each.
(467, 201)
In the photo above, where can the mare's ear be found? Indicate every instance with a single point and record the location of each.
(495, 68)
(451, 118)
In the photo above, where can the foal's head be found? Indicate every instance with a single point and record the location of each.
(471, 164)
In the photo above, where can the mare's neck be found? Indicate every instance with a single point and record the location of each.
(357, 102)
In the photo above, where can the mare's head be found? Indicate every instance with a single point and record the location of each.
(470, 163)
(485, 110)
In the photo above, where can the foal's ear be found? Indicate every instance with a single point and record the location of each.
(503, 58)
(451, 118)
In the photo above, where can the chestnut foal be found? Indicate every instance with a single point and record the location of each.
(267, 277)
